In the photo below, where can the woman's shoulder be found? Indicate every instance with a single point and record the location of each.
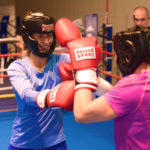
(18, 62)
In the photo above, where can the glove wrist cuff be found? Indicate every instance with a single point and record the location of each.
(41, 98)
(85, 86)
(86, 78)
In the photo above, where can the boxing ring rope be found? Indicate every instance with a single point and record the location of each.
(4, 76)
(4, 40)
(5, 88)
(109, 74)
(11, 55)
(57, 50)
(2, 69)
(7, 96)
(8, 40)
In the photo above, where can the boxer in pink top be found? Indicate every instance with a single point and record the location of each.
(128, 102)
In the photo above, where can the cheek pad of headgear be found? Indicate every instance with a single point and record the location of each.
(130, 47)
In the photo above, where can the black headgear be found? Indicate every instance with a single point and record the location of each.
(132, 47)
(37, 22)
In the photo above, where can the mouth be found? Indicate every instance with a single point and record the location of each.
(44, 47)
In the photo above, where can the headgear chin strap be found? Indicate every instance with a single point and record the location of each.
(37, 22)
(132, 47)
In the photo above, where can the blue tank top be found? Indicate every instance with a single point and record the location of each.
(34, 127)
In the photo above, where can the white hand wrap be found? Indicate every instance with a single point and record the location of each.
(86, 78)
(41, 98)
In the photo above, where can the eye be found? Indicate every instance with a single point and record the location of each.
(143, 19)
(40, 35)
(136, 19)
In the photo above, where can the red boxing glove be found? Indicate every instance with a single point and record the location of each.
(85, 56)
(85, 53)
(60, 96)
(66, 71)
(66, 31)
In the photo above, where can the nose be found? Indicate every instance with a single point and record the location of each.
(139, 22)
(47, 40)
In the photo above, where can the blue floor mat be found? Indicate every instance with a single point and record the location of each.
(96, 136)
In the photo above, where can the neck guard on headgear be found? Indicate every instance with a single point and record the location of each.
(37, 23)
(132, 47)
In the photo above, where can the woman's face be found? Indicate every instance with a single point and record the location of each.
(44, 40)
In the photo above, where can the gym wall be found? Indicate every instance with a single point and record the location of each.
(119, 14)
(119, 11)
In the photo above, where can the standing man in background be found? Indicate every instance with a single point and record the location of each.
(141, 16)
